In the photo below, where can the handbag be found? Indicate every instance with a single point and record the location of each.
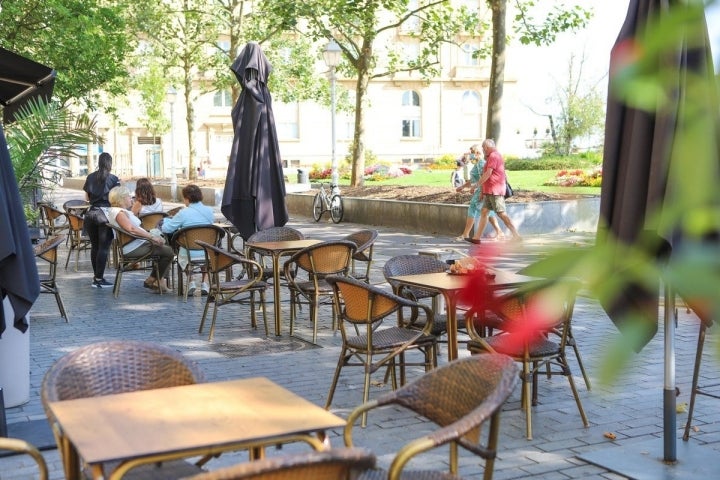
(508, 190)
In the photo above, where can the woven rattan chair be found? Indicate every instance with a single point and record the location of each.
(273, 234)
(333, 464)
(173, 211)
(460, 397)
(106, 368)
(187, 238)
(21, 446)
(549, 304)
(364, 241)
(305, 273)
(47, 251)
(708, 390)
(78, 240)
(52, 220)
(233, 291)
(149, 221)
(124, 263)
(413, 265)
(371, 345)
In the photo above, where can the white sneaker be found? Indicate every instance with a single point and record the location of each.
(204, 288)
(191, 289)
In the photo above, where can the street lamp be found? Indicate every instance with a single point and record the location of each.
(332, 54)
(171, 95)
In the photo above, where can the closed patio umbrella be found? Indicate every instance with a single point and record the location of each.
(646, 154)
(20, 80)
(254, 195)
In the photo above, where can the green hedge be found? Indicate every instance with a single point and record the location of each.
(581, 161)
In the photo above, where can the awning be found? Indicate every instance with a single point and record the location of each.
(20, 80)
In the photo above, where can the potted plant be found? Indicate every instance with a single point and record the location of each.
(42, 134)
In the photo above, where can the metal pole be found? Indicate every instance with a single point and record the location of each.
(335, 175)
(669, 396)
(173, 176)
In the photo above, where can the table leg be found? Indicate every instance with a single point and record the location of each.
(276, 292)
(452, 332)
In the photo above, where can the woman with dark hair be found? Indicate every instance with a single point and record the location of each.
(145, 199)
(97, 186)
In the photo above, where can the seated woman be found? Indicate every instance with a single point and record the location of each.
(145, 199)
(194, 214)
(120, 215)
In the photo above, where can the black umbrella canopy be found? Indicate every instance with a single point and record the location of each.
(18, 273)
(643, 157)
(254, 195)
(20, 80)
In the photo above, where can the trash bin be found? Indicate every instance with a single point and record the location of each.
(303, 175)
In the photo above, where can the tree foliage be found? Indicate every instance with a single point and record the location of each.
(85, 41)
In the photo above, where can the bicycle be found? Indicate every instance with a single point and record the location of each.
(326, 201)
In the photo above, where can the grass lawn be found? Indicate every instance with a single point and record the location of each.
(521, 179)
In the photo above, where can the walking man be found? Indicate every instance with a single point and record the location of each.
(493, 189)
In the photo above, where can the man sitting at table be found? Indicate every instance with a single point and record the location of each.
(194, 215)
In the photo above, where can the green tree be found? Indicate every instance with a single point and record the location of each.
(86, 41)
(560, 18)
(152, 86)
(362, 29)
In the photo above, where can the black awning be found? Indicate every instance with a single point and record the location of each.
(20, 80)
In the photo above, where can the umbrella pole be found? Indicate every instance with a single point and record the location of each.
(669, 395)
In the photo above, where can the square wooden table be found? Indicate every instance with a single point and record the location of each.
(450, 287)
(165, 424)
(277, 250)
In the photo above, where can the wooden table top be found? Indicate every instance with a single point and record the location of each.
(284, 245)
(177, 419)
(448, 282)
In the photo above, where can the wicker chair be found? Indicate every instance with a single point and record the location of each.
(274, 234)
(333, 464)
(78, 240)
(173, 211)
(305, 272)
(187, 238)
(47, 251)
(373, 345)
(149, 221)
(53, 221)
(123, 263)
(21, 446)
(234, 291)
(106, 368)
(364, 241)
(550, 302)
(460, 398)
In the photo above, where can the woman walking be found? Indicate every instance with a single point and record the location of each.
(97, 186)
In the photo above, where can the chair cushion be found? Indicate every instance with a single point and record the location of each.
(504, 343)
(388, 338)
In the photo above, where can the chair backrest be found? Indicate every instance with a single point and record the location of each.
(52, 218)
(276, 234)
(187, 237)
(412, 265)
(21, 446)
(149, 221)
(105, 368)
(470, 390)
(219, 259)
(76, 225)
(48, 249)
(326, 258)
(364, 241)
(332, 464)
(122, 238)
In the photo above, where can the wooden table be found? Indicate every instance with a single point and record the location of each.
(277, 250)
(450, 287)
(164, 424)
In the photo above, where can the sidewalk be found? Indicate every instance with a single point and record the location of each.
(631, 408)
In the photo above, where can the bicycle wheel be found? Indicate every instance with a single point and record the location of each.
(336, 208)
(317, 207)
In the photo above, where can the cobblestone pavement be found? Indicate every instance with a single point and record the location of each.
(630, 408)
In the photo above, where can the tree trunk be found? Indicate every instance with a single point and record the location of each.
(358, 153)
(497, 70)
(190, 119)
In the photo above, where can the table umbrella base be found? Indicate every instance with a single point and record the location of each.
(644, 461)
(36, 432)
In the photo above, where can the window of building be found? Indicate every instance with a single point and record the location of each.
(286, 120)
(471, 115)
(410, 114)
(222, 98)
(469, 55)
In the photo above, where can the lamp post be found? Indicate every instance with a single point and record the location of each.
(171, 96)
(332, 54)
